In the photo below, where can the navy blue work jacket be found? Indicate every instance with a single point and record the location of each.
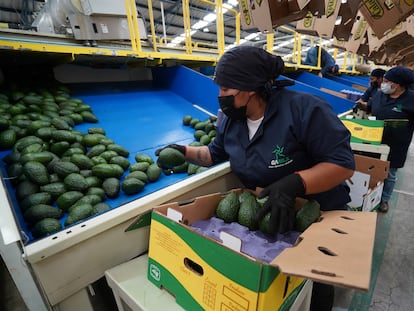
(369, 93)
(384, 107)
(298, 131)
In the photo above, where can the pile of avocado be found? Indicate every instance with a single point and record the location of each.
(57, 171)
(242, 208)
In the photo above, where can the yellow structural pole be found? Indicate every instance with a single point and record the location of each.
(270, 42)
(299, 48)
(130, 25)
(187, 26)
(152, 23)
(238, 27)
(136, 27)
(320, 52)
(220, 27)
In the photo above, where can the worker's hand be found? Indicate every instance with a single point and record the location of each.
(180, 148)
(280, 202)
(358, 106)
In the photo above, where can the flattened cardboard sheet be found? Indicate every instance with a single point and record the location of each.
(342, 239)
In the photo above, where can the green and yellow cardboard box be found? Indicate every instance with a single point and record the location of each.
(204, 274)
(365, 131)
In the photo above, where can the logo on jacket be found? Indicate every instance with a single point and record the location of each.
(280, 159)
(397, 108)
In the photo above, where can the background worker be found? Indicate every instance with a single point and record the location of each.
(375, 80)
(327, 63)
(395, 101)
(289, 144)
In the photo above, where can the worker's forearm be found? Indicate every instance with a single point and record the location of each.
(324, 176)
(198, 155)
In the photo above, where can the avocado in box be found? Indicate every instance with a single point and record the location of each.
(205, 274)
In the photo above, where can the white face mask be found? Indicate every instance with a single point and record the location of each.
(386, 88)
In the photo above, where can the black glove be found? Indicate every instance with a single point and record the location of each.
(357, 106)
(180, 148)
(281, 200)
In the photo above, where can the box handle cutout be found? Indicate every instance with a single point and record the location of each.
(326, 251)
(347, 218)
(339, 231)
(333, 274)
(186, 202)
(168, 291)
(193, 266)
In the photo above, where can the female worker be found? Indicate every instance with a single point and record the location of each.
(287, 143)
(395, 101)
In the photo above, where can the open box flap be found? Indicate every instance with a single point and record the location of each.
(337, 250)
(376, 168)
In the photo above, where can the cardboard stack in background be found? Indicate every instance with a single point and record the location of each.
(366, 28)
(267, 14)
(358, 32)
(401, 44)
(203, 273)
(347, 12)
(322, 26)
(382, 16)
(367, 183)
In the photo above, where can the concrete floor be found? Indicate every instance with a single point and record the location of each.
(392, 276)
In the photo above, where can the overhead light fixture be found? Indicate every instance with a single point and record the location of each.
(199, 25)
(210, 17)
(251, 36)
(233, 3)
(284, 43)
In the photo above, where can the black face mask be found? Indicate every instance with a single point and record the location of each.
(227, 106)
(375, 84)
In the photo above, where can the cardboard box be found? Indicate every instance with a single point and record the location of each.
(347, 12)
(203, 273)
(365, 131)
(367, 182)
(357, 35)
(316, 7)
(267, 14)
(383, 16)
(374, 42)
(320, 26)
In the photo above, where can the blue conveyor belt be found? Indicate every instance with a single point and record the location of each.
(143, 121)
(140, 120)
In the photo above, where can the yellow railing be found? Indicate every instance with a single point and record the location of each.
(348, 65)
(160, 48)
(153, 47)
